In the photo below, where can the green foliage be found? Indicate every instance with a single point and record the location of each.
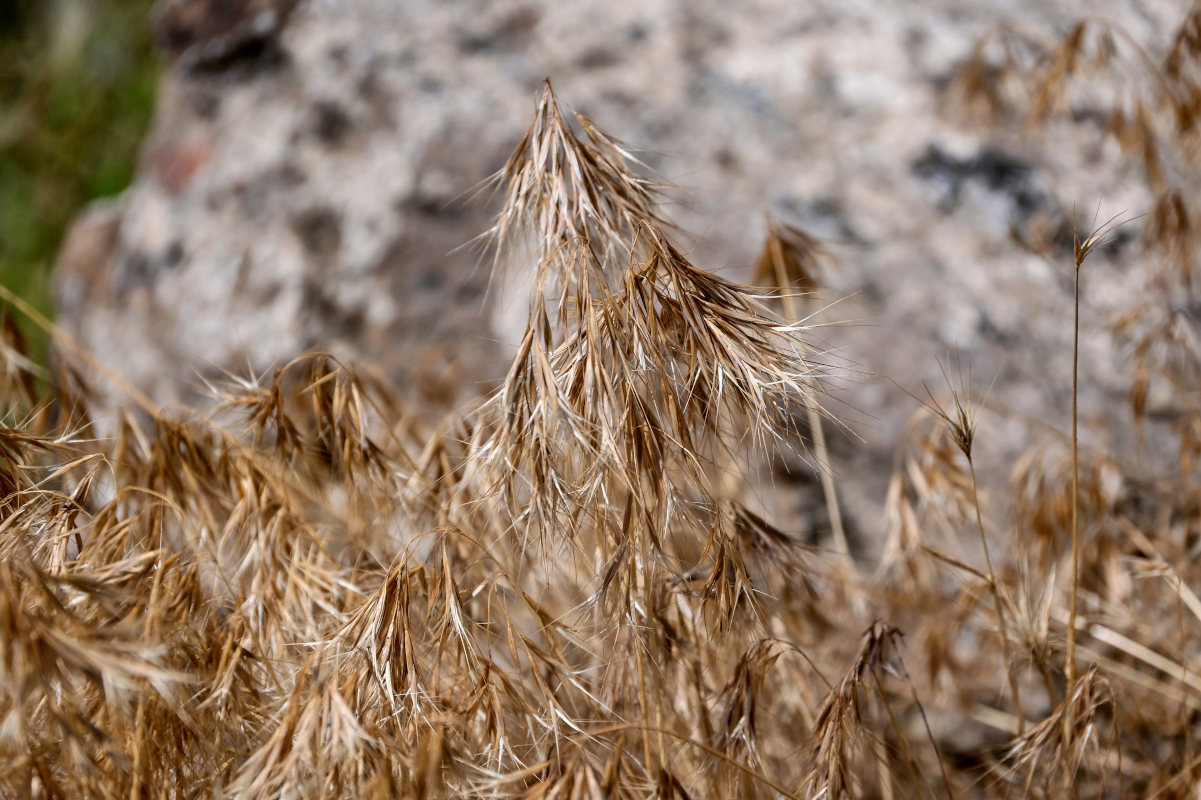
(77, 80)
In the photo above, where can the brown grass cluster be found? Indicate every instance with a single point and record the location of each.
(568, 590)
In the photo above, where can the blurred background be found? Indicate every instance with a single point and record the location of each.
(221, 185)
(77, 86)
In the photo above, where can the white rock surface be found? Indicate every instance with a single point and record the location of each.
(308, 187)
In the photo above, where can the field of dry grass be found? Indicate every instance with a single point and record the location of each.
(569, 589)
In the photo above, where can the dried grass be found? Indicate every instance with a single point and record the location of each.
(565, 591)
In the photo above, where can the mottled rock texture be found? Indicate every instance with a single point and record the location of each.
(308, 184)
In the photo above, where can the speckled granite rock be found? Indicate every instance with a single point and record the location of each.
(308, 184)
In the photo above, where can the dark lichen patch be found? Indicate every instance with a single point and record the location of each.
(319, 230)
(252, 59)
(597, 58)
(138, 268)
(510, 32)
(209, 36)
(330, 122)
(825, 217)
(330, 320)
(996, 170)
(173, 256)
(134, 270)
(206, 103)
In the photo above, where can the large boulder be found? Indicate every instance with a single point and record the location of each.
(309, 179)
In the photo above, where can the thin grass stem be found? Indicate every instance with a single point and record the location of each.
(1002, 624)
(816, 426)
(1070, 648)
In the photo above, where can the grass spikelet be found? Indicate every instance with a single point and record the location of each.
(842, 739)
(573, 198)
(659, 363)
(791, 260)
(1050, 755)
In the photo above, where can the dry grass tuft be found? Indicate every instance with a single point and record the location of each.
(569, 589)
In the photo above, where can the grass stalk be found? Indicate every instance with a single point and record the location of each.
(1081, 251)
(816, 427)
(1002, 624)
(1070, 647)
(962, 424)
